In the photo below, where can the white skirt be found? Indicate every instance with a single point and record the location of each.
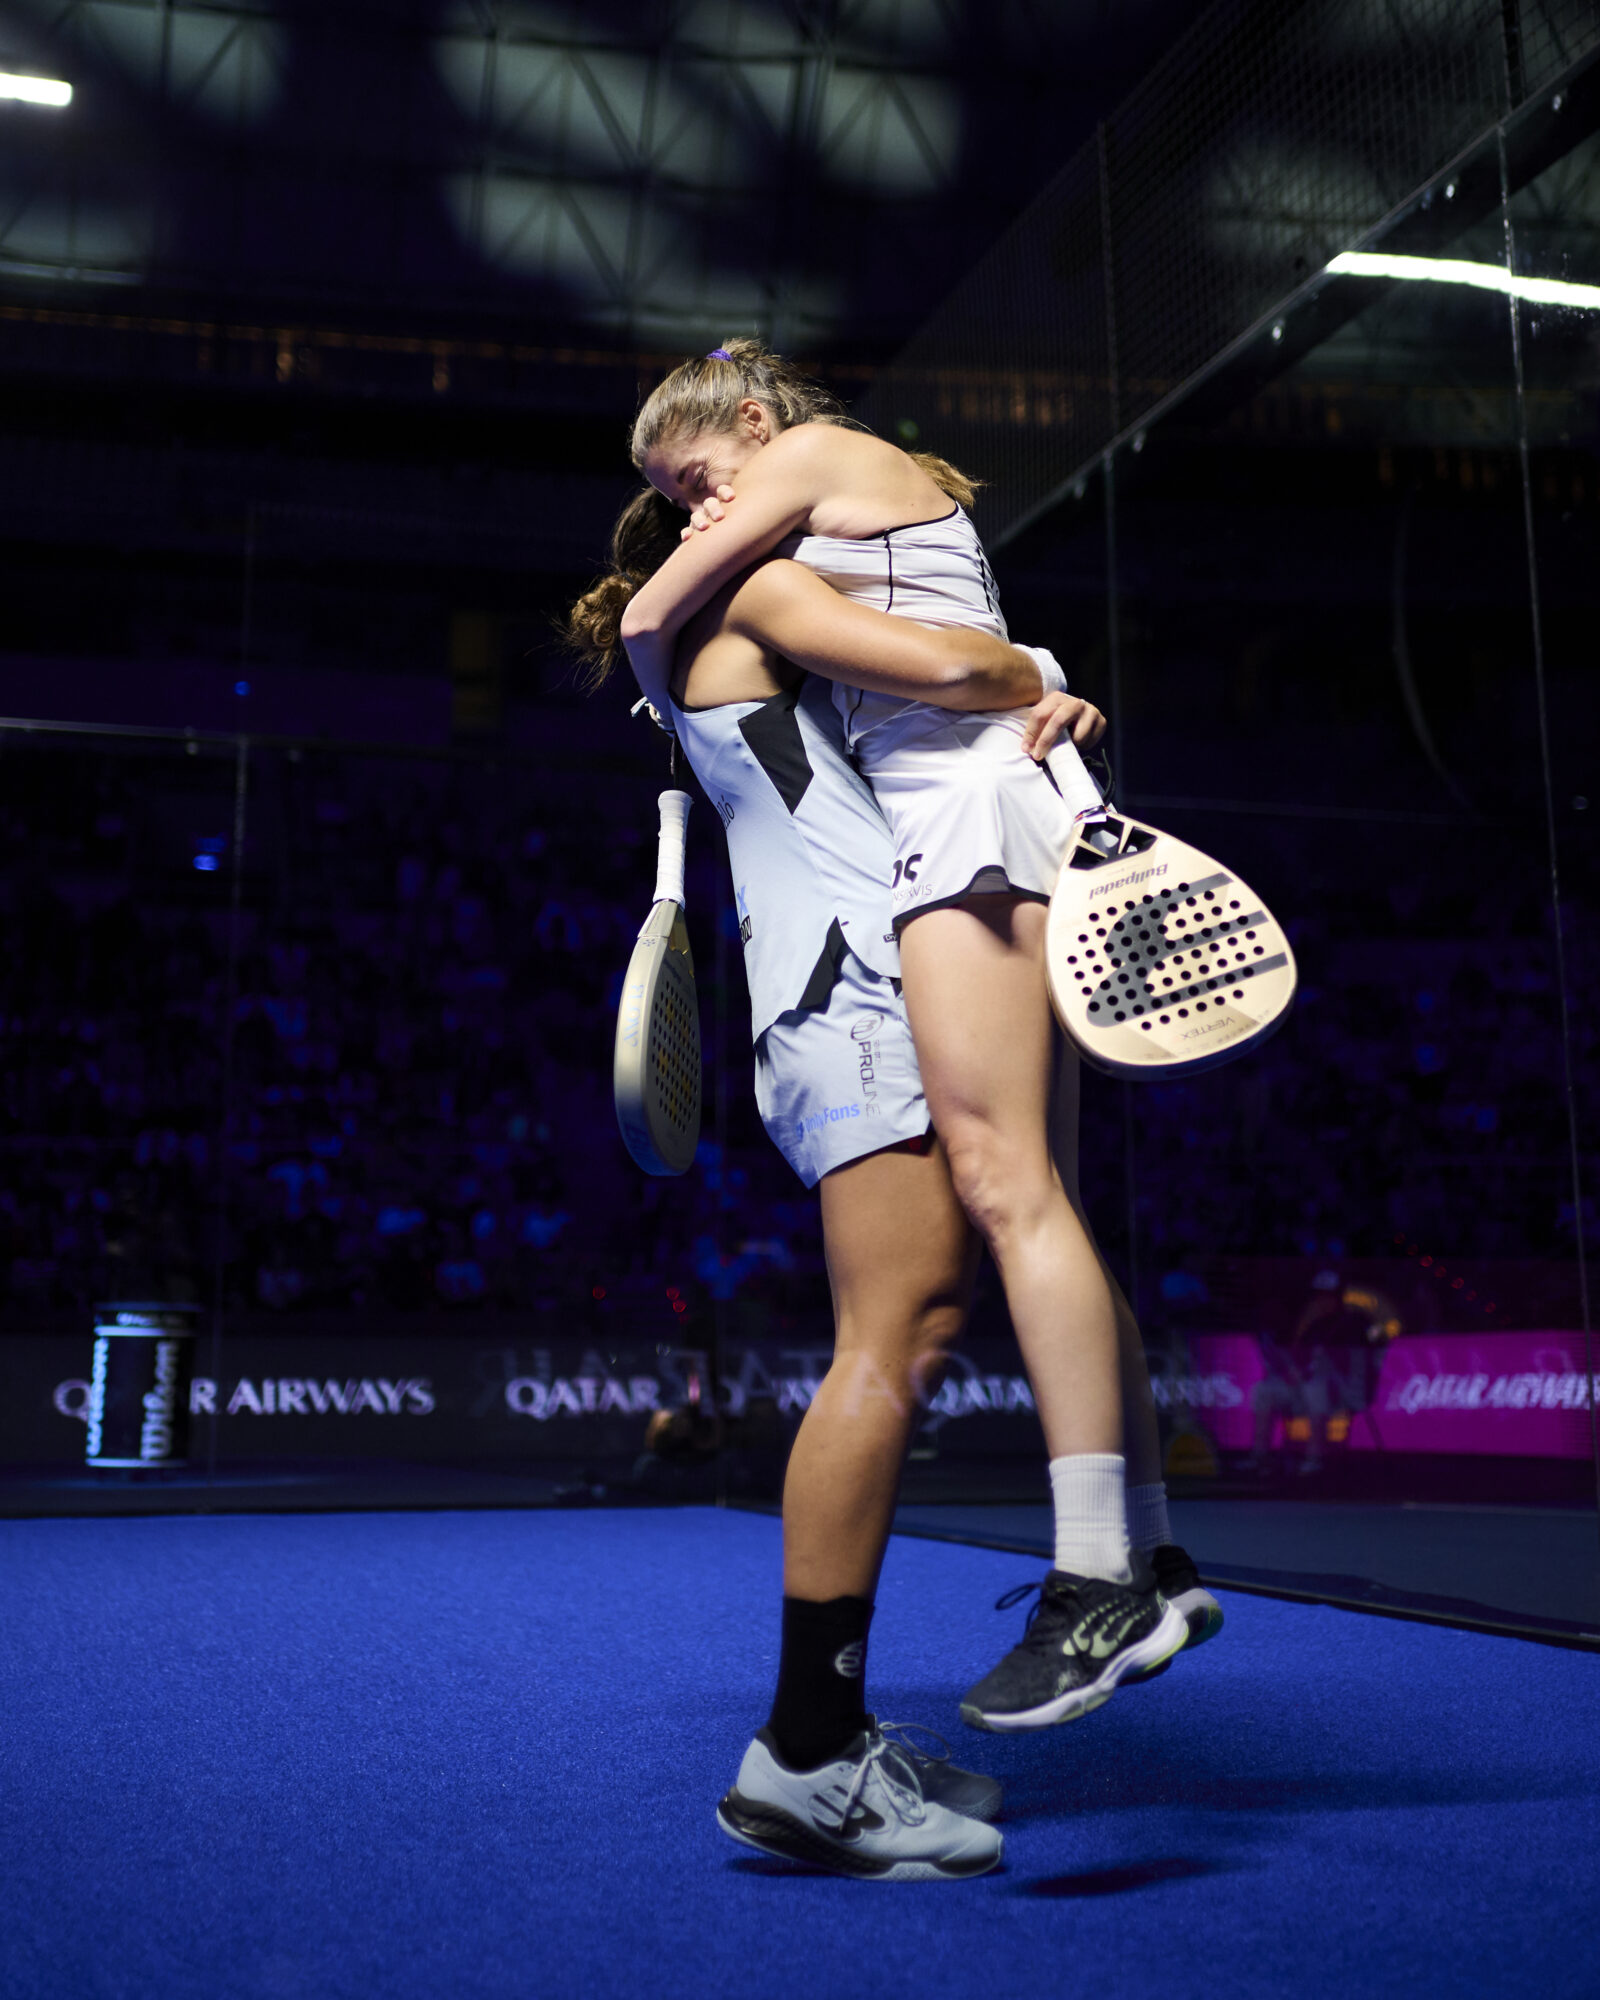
(971, 812)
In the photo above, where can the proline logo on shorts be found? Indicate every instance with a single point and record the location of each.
(864, 1031)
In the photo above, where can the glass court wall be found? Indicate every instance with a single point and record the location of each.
(1297, 475)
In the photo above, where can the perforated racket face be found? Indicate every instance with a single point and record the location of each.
(656, 1072)
(1160, 960)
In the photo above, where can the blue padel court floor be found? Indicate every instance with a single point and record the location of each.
(378, 1756)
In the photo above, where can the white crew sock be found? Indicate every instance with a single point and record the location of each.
(1148, 1526)
(1091, 1515)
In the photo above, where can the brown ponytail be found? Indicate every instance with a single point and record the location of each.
(947, 477)
(646, 533)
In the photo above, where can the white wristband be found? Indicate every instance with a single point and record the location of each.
(1055, 681)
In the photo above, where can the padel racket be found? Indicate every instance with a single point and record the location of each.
(1161, 962)
(655, 1070)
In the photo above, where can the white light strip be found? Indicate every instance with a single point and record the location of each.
(35, 89)
(1457, 271)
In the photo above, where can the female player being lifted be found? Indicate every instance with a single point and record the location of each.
(979, 828)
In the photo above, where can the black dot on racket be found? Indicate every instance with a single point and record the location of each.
(1120, 1015)
(1094, 1006)
(1238, 993)
(1165, 1020)
(1146, 1026)
(1183, 1013)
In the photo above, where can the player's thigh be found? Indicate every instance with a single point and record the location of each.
(901, 1253)
(980, 1015)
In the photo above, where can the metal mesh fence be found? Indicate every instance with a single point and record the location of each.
(1274, 135)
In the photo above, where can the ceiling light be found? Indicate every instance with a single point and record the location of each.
(35, 89)
(1457, 271)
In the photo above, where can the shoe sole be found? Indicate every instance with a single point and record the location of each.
(1169, 1637)
(770, 1830)
(1204, 1621)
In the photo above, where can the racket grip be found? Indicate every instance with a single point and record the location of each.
(669, 854)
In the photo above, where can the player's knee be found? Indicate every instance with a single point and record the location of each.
(992, 1183)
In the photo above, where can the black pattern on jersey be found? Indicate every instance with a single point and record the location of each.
(825, 973)
(773, 733)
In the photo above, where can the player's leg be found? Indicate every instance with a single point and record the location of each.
(975, 990)
(1149, 1528)
(900, 1262)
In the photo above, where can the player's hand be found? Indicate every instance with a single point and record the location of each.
(711, 508)
(1061, 715)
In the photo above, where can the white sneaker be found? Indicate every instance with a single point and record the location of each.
(969, 1793)
(864, 1813)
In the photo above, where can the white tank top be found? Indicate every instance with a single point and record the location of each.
(810, 850)
(933, 571)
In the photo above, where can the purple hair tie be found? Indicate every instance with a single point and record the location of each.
(719, 354)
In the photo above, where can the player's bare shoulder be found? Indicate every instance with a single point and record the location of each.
(863, 485)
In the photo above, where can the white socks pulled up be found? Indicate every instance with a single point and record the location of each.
(1091, 1515)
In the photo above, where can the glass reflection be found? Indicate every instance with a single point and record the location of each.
(1357, 1249)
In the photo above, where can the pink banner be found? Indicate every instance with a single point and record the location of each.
(1524, 1395)
(1219, 1387)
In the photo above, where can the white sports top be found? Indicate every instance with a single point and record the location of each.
(933, 571)
(810, 850)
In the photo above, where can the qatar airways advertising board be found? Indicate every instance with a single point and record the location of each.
(1525, 1395)
(1510, 1394)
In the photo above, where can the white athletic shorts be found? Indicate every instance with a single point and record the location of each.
(838, 1082)
(970, 811)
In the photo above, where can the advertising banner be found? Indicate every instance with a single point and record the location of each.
(1506, 1394)
(1217, 1386)
(405, 1397)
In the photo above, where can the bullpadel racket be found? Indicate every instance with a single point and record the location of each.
(1161, 962)
(656, 1066)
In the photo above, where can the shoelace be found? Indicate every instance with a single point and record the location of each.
(905, 1798)
(1019, 1593)
(903, 1741)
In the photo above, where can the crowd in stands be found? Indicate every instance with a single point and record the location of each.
(382, 1082)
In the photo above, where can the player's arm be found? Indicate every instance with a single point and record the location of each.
(777, 490)
(789, 609)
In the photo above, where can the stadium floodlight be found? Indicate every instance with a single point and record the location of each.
(1458, 271)
(48, 90)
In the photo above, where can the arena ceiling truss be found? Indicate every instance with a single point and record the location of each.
(651, 172)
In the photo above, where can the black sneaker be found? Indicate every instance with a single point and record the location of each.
(1179, 1583)
(1083, 1637)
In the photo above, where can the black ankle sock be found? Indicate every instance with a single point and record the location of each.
(821, 1679)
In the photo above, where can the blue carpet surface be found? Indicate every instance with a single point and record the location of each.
(395, 1755)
